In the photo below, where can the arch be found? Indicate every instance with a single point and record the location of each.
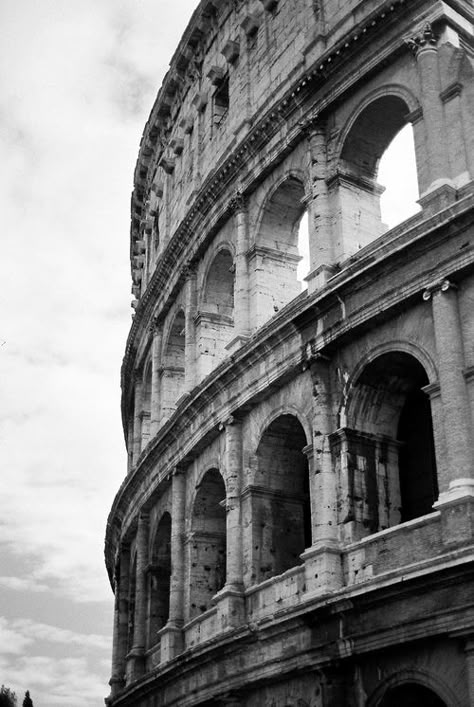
(215, 322)
(173, 364)
(280, 503)
(159, 577)
(281, 212)
(353, 190)
(420, 679)
(218, 288)
(286, 409)
(208, 542)
(386, 447)
(274, 257)
(408, 347)
(146, 404)
(174, 348)
(397, 91)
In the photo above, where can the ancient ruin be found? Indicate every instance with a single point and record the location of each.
(296, 525)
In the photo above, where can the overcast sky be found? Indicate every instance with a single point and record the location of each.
(77, 82)
(78, 79)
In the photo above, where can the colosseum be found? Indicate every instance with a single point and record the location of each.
(296, 525)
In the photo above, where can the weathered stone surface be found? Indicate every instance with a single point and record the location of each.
(296, 527)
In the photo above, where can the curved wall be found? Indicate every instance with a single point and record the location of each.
(295, 527)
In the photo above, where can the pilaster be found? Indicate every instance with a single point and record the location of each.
(456, 500)
(172, 633)
(238, 206)
(137, 654)
(322, 560)
(321, 251)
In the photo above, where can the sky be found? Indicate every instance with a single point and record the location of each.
(77, 82)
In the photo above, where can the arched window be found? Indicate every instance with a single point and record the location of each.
(173, 366)
(215, 322)
(281, 510)
(354, 191)
(386, 456)
(274, 259)
(146, 407)
(159, 579)
(208, 543)
(411, 695)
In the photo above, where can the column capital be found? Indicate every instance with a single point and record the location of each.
(237, 203)
(229, 421)
(156, 326)
(437, 287)
(426, 39)
(189, 270)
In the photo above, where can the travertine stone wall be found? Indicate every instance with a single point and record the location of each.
(296, 526)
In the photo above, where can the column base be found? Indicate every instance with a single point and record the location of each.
(171, 642)
(318, 277)
(237, 342)
(117, 684)
(323, 568)
(135, 664)
(230, 603)
(438, 196)
(457, 512)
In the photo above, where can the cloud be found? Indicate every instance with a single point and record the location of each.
(20, 584)
(77, 680)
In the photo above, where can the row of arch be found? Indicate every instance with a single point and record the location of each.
(385, 465)
(273, 277)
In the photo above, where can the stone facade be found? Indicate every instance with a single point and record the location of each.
(296, 526)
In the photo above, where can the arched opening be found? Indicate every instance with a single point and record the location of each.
(386, 456)
(397, 174)
(281, 509)
(411, 695)
(173, 370)
(159, 579)
(146, 407)
(215, 322)
(274, 260)
(208, 543)
(354, 191)
(219, 288)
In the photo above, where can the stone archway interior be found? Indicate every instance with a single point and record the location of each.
(411, 695)
(208, 544)
(282, 506)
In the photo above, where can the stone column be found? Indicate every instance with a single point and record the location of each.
(137, 654)
(172, 633)
(424, 47)
(230, 600)
(321, 249)
(323, 560)
(119, 653)
(155, 406)
(233, 438)
(190, 327)
(454, 395)
(137, 419)
(238, 207)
